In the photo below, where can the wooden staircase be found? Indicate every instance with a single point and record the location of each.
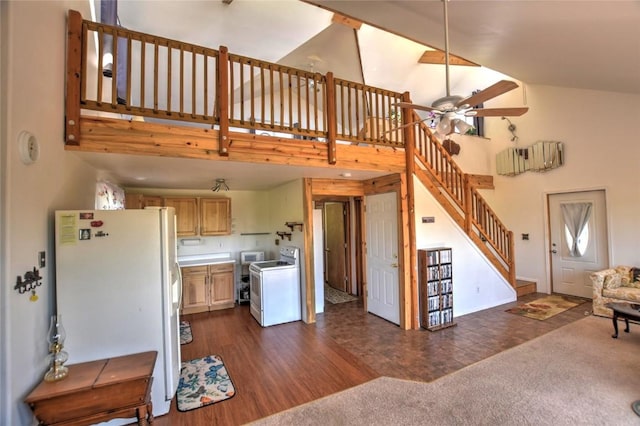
(524, 287)
(458, 193)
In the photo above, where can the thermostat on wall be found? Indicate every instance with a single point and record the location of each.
(28, 147)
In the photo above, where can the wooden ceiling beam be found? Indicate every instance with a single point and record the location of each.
(437, 57)
(349, 22)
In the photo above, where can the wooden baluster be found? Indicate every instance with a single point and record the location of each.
(467, 205)
(127, 104)
(332, 125)
(143, 56)
(223, 99)
(193, 82)
(156, 83)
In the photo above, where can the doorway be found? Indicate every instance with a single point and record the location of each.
(578, 239)
(336, 251)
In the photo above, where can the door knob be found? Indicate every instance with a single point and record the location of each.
(554, 251)
(394, 265)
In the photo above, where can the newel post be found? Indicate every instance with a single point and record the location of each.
(332, 122)
(223, 100)
(74, 70)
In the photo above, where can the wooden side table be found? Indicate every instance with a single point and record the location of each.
(98, 391)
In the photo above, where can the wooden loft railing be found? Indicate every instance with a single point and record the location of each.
(162, 79)
(458, 193)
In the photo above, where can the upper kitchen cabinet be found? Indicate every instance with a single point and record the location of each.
(186, 215)
(215, 216)
(139, 201)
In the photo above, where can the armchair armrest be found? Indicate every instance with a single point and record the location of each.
(597, 279)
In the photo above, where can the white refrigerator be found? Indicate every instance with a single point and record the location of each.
(118, 289)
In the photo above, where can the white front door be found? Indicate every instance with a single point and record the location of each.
(578, 226)
(383, 291)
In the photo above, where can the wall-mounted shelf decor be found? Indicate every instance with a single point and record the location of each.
(282, 235)
(293, 225)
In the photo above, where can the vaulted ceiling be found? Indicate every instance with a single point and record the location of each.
(568, 43)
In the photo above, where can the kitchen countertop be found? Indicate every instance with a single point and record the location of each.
(205, 259)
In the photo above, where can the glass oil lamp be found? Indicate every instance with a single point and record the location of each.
(57, 357)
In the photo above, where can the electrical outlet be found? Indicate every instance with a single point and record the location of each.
(42, 259)
(277, 242)
(477, 289)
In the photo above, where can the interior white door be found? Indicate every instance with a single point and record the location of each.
(383, 290)
(578, 227)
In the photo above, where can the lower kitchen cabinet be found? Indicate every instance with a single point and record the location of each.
(207, 288)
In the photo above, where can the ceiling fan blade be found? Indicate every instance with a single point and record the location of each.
(503, 86)
(405, 125)
(438, 57)
(414, 106)
(496, 112)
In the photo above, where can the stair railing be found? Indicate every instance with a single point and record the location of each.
(454, 190)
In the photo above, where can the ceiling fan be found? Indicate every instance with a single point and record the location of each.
(448, 108)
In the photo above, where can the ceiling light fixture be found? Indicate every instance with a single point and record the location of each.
(220, 184)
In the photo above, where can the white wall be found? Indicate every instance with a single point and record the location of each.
(286, 205)
(33, 100)
(601, 152)
(476, 283)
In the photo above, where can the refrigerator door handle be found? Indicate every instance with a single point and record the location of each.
(179, 286)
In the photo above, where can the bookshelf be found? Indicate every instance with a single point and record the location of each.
(436, 288)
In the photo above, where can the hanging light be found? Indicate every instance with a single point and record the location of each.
(462, 126)
(220, 184)
(444, 126)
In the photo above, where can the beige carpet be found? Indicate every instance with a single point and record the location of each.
(576, 375)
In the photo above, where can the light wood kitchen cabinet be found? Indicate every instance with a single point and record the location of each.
(221, 287)
(215, 216)
(207, 288)
(186, 215)
(195, 294)
(139, 201)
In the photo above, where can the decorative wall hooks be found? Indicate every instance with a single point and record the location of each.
(29, 282)
(293, 225)
(282, 235)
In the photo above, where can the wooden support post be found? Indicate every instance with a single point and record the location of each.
(74, 71)
(411, 262)
(332, 124)
(309, 274)
(223, 99)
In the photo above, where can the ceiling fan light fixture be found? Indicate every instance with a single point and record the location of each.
(462, 126)
(220, 185)
(444, 126)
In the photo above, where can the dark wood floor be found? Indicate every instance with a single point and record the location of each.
(279, 367)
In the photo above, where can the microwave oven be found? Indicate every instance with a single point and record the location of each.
(247, 257)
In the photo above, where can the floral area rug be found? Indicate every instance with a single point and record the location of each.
(546, 307)
(203, 381)
(185, 333)
(334, 296)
